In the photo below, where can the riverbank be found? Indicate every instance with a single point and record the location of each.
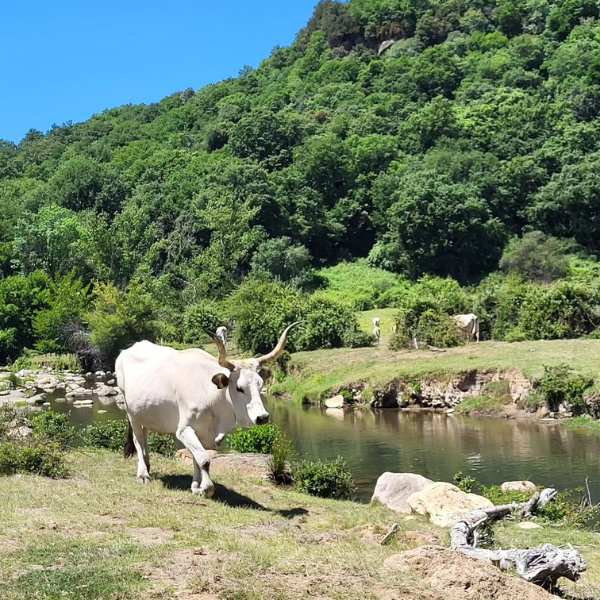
(315, 376)
(99, 534)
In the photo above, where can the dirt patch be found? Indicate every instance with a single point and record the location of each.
(459, 577)
(150, 536)
(248, 464)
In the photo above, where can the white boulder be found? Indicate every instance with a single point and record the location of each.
(393, 489)
(518, 486)
(444, 503)
(335, 402)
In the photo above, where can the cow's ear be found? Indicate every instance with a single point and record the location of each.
(221, 380)
(265, 373)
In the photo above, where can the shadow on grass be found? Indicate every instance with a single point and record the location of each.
(228, 496)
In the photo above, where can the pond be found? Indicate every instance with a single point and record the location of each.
(433, 444)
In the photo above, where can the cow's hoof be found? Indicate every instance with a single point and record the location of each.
(145, 479)
(206, 491)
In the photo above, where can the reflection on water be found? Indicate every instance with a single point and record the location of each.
(432, 444)
(439, 445)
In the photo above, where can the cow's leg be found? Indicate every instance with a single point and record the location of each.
(140, 439)
(201, 484)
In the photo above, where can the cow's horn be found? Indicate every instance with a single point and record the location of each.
(279, 347)
(222, 353)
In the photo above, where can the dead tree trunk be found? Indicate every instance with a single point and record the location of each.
(543, 565)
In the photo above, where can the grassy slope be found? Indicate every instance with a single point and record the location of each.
(319, 371)
(99, 534)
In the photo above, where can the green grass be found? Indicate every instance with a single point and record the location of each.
(101, 535)
(481, 406)
(317, 373)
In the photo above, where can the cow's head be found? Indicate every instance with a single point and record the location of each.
(244, 383)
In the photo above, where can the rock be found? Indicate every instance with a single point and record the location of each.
(37, 399)
(336, 413)
(528, 525)
(19, 432)
(80, 393)
(444, 503)
(246, 464)
(105, 390)
(518, 486)
(334, 402)
(449, 575)
(393, 489)
(114, 382)
(99, 374)
(82, 403)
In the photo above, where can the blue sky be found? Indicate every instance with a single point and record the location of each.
(66, 60)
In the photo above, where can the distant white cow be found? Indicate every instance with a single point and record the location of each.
(376, 329)
(469, 325)
(192, 394)
(221, 333)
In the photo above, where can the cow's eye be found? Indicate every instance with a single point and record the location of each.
(239, 389)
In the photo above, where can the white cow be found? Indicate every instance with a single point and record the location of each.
(469, 325)
(221, 333)
(376, 329)
(192, 394)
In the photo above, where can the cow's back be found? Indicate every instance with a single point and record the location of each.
(155, 380)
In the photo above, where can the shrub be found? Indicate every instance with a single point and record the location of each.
(57, 362)
(431, 327)
(261, 310)
(162, 443)
(201, 317)
(495, 494)
(278, 465)
(327, 324)
(37, 458)
(537, 257)
(67, 302)
(464, 482)
(560, 311)
(560, 384)
(327, 479)
(259, 438)
(281, 260)
(111, 434)
(54, 427)
(108, 434)
(120, 318)
(591, 397)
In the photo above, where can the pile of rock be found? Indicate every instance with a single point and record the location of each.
(443, 503)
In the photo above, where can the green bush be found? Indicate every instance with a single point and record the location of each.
(202, 317)
(281, 453)
(112, 434)
(464, 482)
(31, 359)
(38, 458)
(537, 257)
(431, 327)
(68, 300)
(327, 479)
(119, 318)
(563, 310)
(259, 438)
(495, 494)
(54, 427)
(560, 384)
(107, 434)
(327, 324)
(261, 310)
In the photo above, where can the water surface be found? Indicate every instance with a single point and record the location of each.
(433, 444)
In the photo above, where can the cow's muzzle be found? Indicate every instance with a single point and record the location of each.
(262, 419)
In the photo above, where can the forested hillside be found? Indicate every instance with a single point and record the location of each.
(475, 121)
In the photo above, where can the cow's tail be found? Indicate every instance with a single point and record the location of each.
(129, 448)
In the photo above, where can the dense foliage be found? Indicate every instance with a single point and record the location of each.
(476, 125)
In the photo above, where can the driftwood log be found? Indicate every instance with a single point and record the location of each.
(543, 565)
